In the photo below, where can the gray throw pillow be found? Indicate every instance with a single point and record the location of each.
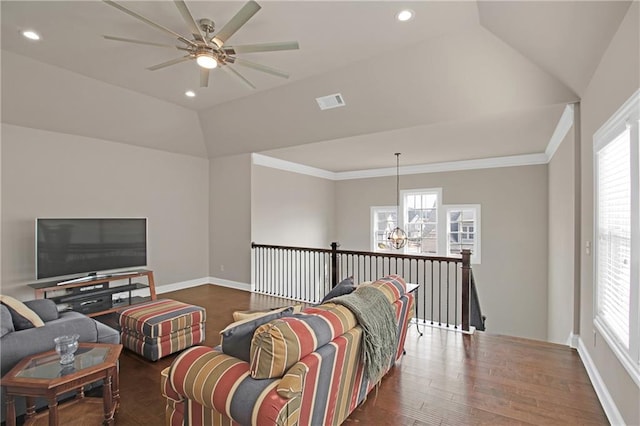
(236, 340)
(20, 322)
(6, 323)
(344, 287)
(45, 308)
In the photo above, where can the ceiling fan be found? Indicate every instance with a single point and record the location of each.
(209, 49)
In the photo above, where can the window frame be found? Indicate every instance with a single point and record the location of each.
(476, 253)
(440, 223)
(373, 226)
(627, 117)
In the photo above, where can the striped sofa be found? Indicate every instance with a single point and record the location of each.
(304, 369)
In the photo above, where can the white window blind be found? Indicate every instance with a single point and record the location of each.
(614, 235)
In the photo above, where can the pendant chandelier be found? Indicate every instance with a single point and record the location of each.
(397, 238)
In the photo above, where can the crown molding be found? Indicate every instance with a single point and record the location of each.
(289, 166)
(484, 163)
(565, 123)
(451, 166)
(562, 128)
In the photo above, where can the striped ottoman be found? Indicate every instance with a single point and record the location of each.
(161, 327)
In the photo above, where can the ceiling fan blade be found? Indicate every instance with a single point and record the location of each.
(260, 67)
(188, 18)
(240, 18)
(261, 47)
(204, 77)
(238, 75)
(149, 22)
(169, 63)
(150, 43)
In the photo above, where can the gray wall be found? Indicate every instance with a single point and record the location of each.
(561, 242)
(230, 219)
(512, 279)
(291, 209)
(615, 80)
(59, 175)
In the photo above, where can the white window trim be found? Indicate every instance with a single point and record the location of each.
(628, 115)
(441, 227)
(476, 257)
(372, 220)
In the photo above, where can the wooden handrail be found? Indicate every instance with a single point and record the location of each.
(313, 249)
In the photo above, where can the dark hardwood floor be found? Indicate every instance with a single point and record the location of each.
(444, 379)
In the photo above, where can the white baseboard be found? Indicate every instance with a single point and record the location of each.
(201, 281)
(182, 285)
(572, 340)
(608, 404)
(231, 284)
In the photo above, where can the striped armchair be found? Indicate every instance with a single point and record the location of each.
(304, 369)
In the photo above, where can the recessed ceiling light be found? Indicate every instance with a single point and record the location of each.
(405, 15)
(31, 35)
(190, 94)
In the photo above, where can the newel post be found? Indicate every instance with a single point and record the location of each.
(334, 264)
(466, 288)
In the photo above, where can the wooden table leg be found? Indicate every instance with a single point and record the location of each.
(11, 410)
(31, 408)
(107, 399)
(116, 386)
(53, 411)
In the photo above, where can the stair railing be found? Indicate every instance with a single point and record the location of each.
(444, 296)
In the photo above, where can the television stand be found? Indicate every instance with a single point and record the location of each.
(94, 296)
(83, 279)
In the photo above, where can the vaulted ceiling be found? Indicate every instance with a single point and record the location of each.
(461, 80)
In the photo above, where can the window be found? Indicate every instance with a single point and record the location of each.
(432, 229)
(383, 220)
(617, 234)
(463, 230)
(420, 211)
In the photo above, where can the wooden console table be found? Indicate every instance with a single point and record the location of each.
(93, 296)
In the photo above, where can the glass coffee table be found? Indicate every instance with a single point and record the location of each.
(42, 375)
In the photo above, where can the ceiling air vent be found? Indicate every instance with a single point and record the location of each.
(330, 101)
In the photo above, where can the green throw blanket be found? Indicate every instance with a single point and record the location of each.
(377, 319)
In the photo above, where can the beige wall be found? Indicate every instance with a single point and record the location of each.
(230, 219)
(291, 209)
(1, 213)
(58, 175)
(615, 80)
(512, 279)
(561, 242)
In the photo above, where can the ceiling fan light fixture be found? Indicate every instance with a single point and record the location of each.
(207, 61)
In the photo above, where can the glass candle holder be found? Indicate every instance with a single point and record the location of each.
(66, 346)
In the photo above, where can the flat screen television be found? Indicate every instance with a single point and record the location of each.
(89, 245)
